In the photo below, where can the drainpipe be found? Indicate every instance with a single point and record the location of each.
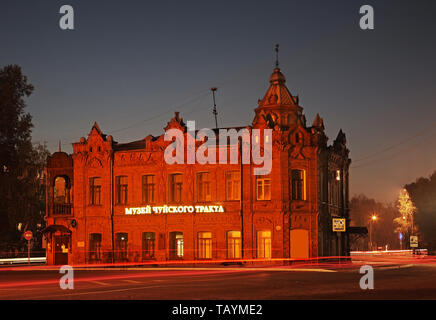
(241, 202)
(112, 204)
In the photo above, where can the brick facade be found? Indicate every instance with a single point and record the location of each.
(87, 224)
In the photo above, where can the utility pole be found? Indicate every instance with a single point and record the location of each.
(215, 113)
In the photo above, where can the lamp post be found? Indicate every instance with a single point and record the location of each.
(373, 219)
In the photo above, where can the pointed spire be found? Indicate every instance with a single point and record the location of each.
(340, 140)
(95, 125)
(60, 149)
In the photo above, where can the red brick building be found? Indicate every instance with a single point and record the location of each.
(106, 200)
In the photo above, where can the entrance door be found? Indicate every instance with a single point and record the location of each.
(176, 245)
(61, 249)
(299, 244)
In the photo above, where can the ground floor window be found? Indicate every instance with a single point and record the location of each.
(121, 240)
(205, 245)
(264, 244)
(176, 245)
(95, 247)
(148, 241)
(234, 244)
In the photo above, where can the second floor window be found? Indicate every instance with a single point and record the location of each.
(233, 185)
(263, 188)
(203, 186)
(298, 185)
(148, 189)
(175, 187)
(95, 191)
(121, 189)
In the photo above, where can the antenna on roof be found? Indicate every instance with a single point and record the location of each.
(277, 55)
(215, 113)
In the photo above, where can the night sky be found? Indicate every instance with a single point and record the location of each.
(130, 64)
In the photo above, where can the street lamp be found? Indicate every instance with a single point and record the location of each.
(373, 219)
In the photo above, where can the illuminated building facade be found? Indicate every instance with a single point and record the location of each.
(112, 201)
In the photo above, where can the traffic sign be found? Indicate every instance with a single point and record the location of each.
(28, 235)
(414, 241)
(338, 225)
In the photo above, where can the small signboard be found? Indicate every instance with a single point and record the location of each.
(338, 225)
(414, 241)
(28, 235)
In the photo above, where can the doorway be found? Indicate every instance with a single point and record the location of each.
(61, 249)
(299, 244)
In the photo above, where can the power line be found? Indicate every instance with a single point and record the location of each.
(419, 133)
(375, 161)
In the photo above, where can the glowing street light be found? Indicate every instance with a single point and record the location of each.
(373, 219)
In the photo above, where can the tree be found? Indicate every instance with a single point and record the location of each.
(362, 209)
(22, 198)
(423, 194)
(404, 223)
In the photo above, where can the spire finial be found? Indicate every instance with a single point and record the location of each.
(277, 55)
(215, 113)
(60, 150)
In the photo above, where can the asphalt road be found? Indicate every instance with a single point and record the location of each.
(391, 281)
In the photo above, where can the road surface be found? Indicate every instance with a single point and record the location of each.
(393, 279)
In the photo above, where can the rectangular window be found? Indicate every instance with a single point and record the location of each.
(121, 189)
(148, 241)
(264, 244)
(148, 189)
(234, 244)
(233, 185)
(175, 192)
(95, 247)
(298, 185)
(263, 188)
(95, 191)
(121, 240)
(205, 245)
(203, 187)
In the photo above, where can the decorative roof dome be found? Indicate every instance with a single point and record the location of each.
(277, 77)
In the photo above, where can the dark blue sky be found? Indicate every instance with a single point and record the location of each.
(130, 64)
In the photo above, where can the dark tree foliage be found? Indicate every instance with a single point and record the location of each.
(22, 198)
(423, 194)
(383, 229)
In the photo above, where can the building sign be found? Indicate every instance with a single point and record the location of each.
(173, 209)
(338, 225)
(414, 241)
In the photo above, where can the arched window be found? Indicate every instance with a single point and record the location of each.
(298, 138)
(61, 196)
(61, 191)
(298, 184)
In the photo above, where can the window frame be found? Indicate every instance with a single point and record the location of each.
(238, 184)
(206, 197)
(264, 245)
(233, 245)
(92, 191)
(148, 253)
(263, 179)
(172, 187)
(146, 189)
(303, 181)
(121, 189)
(204, 246)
